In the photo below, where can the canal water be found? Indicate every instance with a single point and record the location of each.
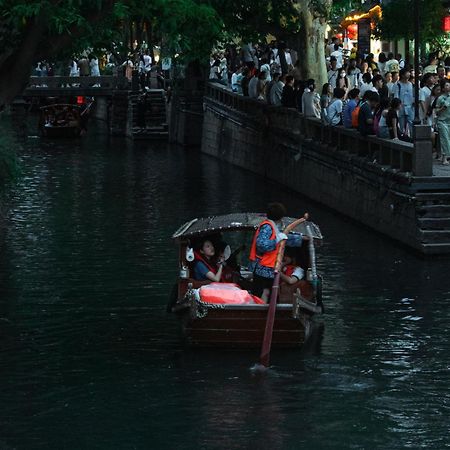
(89, 359)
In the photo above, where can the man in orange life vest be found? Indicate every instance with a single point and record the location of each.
(264, 249)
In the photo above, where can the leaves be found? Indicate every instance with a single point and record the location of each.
(398, 20)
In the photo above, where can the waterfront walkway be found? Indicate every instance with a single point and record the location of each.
(394, 187)
(439, 170)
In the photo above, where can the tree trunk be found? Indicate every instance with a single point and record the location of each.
(16, 67)
(313, 15)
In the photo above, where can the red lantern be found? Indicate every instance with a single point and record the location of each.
(352, 31)
(446, 24)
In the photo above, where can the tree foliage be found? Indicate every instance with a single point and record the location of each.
(398, 20)
(31, 30)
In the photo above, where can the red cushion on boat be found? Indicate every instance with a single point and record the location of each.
(227, 293)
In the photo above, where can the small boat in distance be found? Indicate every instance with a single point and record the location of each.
(63, 120)
(227, 314)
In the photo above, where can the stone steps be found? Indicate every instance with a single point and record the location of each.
(435, 236)
(436, 248)
(435, 223)
(433, 211)
(155, 117)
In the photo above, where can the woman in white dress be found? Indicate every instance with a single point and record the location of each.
(93, 65)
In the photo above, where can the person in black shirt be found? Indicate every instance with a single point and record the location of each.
(289, 96)
(365, 116)
(392, 122)
(245, 80)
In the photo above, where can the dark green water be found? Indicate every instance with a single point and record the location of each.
(90, 360)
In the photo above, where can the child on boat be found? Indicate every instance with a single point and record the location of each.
(290, 272)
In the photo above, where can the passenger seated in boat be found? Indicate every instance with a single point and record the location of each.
(291, 273)
(206, 266)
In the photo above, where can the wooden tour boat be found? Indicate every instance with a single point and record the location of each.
(63, 120)
(243, 325)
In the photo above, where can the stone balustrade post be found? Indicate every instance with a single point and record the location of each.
(422, 155)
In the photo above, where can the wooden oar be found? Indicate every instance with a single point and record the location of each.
(268, 332)
(312, 259)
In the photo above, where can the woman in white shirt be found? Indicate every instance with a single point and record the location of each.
(334, 110)
(93, 64)
(311, 100)
(74, 71)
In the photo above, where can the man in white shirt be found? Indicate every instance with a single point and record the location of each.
(236, 80)
(353, 75)
(288, 57)
(429, 79)
(253, 86)
(330, 47)
(333, 72)
(392, 84)
(391, 64)
(337, 53)
(404, 90)
(334, 110)
(276, 90)
(366, 85)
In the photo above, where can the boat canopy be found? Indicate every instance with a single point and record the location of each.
(235, 222)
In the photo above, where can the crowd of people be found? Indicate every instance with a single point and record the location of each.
(140, 61)
(374, 95)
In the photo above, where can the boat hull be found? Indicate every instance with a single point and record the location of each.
(61, 132)
(243, 327)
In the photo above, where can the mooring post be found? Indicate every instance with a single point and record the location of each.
(422, 164)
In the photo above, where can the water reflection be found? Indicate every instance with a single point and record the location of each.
(89, 359)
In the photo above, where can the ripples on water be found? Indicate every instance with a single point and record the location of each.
(89, 359)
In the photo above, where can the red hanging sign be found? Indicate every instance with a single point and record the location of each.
(446, 24)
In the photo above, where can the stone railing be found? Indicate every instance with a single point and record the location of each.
(82, 83)
(402, 156)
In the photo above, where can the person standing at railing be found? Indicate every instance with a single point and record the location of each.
(334, 110)
(253, 85)
(443, 121)
(147, 67)
(311, 100)
(365, 116)
(129, 66)
(74, 70)
(350, 106)
(236, 79)
(93, 66)
(261, 86)
(428, 81)
(288, 97)
(353, 74)
(392, 122)
(404, 90)
(83, 64)
(276, 91)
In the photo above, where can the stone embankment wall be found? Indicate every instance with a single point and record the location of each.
(277, 143)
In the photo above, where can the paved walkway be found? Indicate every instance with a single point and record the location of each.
(439, 170)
